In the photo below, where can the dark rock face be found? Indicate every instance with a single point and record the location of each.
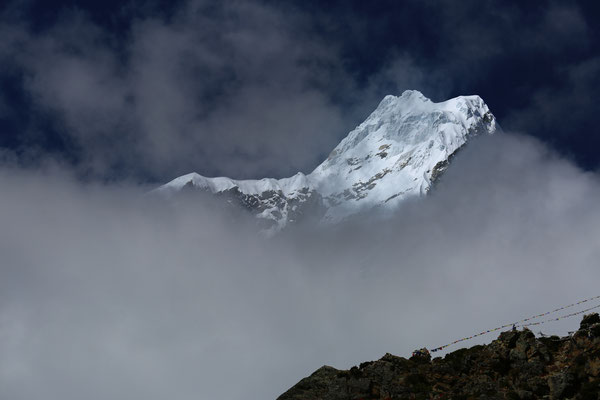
(589, 320)
(517, 365)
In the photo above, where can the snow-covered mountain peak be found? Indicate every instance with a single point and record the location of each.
(397, 152)
(412, 94)
(412, 118)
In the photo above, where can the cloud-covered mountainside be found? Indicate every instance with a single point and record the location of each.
(105, 295)
(397, 152)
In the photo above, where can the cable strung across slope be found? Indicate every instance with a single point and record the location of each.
(521, 322)
(561, 317)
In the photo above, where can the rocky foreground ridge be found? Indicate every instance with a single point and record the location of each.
(517, 365)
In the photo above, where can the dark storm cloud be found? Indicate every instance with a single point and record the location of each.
(106, 295)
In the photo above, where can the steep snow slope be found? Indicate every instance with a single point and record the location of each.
(397, 152)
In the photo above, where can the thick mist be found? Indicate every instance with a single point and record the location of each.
(107, 294)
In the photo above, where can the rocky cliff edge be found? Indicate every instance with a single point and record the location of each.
(517, 365)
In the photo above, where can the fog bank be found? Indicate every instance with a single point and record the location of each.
(105, 294)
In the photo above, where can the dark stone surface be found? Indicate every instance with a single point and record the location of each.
(517, 365)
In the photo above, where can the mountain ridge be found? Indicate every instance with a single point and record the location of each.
(517, 365)
(402, 147)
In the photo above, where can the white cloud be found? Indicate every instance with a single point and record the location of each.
(106, 295)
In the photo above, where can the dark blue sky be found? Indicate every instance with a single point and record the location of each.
(149, 90)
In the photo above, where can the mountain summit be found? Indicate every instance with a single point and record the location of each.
(397, 152)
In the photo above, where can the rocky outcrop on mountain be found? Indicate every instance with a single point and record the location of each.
(517, 365)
